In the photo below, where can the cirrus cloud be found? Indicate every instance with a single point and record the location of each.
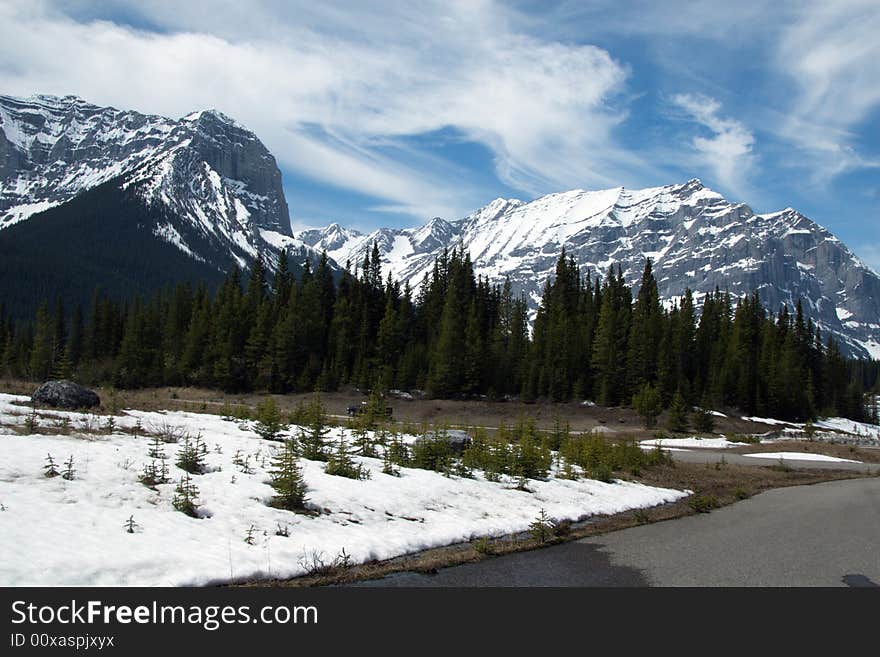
(328, 99)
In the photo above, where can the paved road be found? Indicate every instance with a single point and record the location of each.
(822, 535)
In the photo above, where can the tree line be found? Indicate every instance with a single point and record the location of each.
(457, 336)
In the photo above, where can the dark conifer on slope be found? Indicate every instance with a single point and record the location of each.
(287, 480)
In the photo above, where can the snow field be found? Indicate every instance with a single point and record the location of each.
(57, 532)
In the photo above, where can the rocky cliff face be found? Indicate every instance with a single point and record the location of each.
(695, 238)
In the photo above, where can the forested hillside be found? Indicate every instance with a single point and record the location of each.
(456, 336)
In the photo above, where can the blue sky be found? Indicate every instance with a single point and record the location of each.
(392, 113)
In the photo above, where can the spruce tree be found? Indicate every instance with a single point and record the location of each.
(287, 479)
(40, 364)
(50, 469)
(704, 421)
(677, 420)
(269, 422)
(645, 333)
(186, 497)
(341, 464)
(647, 404)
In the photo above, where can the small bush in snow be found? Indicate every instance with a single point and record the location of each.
(282, 531)
(313, 563)
(433, 452)
(186, 497)
(397, 452)
(110, 424)
(249, 535)
(69, 471)
(154, 473)
(287, 479)
(50, 469)
(388, 466)
(190, 457)
(89, 423)
(602, 472)
(342, 465)
(62, 424)
(32, 421)
(313, 438)
(169, 433)
(156, 449)
(363, 444)
(530, 459)
(130, 525)
(541, 527)
(269, 420)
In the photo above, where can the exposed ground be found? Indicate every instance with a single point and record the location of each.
(489, 414)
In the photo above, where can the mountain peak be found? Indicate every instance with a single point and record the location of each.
(213, 115)
(217, 186)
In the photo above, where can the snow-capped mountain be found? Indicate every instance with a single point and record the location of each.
(694, 237)
(214, 188)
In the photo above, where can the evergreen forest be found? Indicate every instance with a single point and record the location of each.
(456, 336)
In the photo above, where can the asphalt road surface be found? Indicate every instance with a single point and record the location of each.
(822, 535)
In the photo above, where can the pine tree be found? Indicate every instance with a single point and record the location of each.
(645, 333)
(704, 421)
(287, 479)
(313, 438)
(677, 420)
(647, 404)
(446, 361)
(190, 458)
(40, 364)
(186, 497)
(341, 464)
(69, 471)
(50, 469)
(541, 527)
(269, 422)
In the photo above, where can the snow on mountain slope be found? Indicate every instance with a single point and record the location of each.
(219, 182)
(694, 236)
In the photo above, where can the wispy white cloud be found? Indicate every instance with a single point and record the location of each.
(830, 51)
(545, 110)
(729, 149)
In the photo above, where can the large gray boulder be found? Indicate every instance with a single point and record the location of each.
(65, 394)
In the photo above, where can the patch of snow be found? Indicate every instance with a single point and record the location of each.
(849, 426)
(842, 314)
(704, 443)
(378, 518)
(798, 456)
(772, 421)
